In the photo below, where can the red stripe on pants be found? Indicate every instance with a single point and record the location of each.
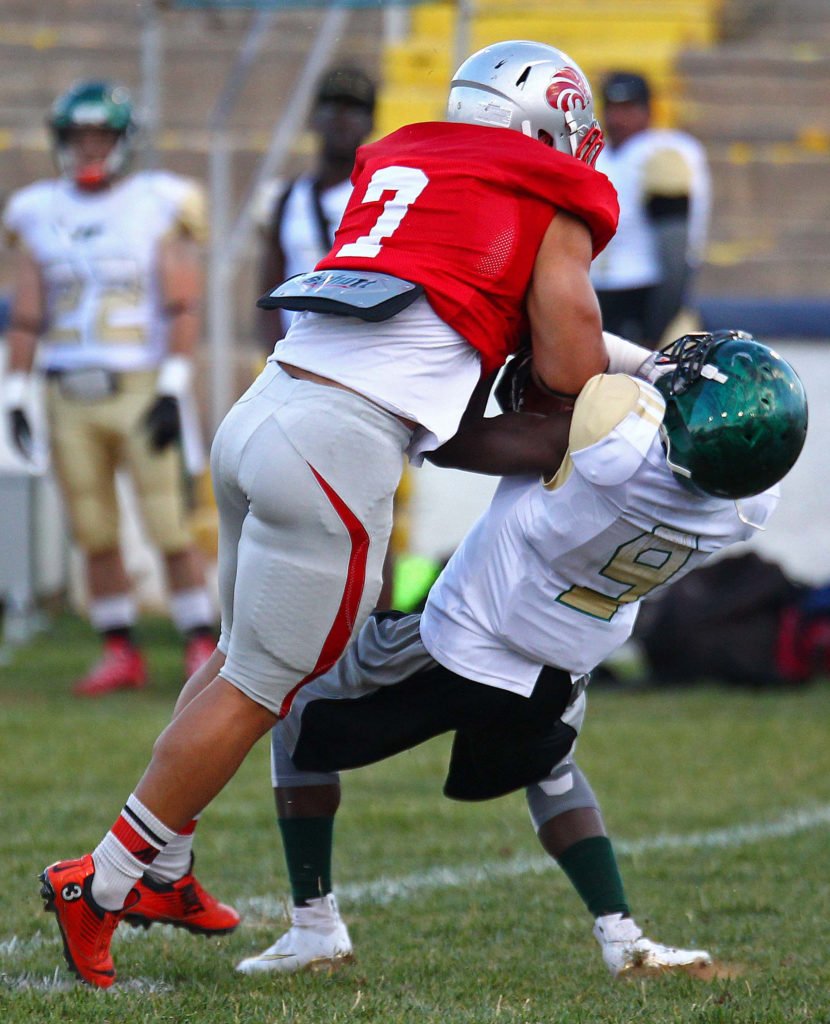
(343, 625)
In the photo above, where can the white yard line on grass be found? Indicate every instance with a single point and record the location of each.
(385, 890)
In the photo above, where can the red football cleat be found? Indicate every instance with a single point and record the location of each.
(184, 904)
(86, 928)
(122, 667)
(196, 653)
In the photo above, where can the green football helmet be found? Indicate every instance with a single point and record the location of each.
(736, 413)
(93, 104)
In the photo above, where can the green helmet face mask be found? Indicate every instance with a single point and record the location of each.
(93, 104)
(736, 413)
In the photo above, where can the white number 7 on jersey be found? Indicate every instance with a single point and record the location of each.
(408, 183)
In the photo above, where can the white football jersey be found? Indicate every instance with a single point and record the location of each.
(553, 571)
(651, 162)
(97, 252)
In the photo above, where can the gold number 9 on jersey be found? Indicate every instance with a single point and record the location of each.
(641, 565)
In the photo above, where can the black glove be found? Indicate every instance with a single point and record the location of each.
(163, 422)
(21, 433)
(509, 392)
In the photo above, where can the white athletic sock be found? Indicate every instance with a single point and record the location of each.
(191, 609)
(133, 842)
(114, 612)
(173, 862)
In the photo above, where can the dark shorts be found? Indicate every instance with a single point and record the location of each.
(388, 694)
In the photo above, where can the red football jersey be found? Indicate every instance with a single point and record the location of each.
(462, 210)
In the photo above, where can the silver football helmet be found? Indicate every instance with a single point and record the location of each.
(532, 88)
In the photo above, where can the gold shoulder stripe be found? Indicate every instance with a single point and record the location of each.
(192, 214)
(603, 404)
(650, 408)
(561, 475)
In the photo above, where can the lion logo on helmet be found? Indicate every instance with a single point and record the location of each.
(568, 90)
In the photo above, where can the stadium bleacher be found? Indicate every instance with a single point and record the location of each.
(752, 81)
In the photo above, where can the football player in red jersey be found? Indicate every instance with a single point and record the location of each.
(458, 237)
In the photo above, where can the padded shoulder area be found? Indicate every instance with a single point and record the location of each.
(667, 173)
(602, 405)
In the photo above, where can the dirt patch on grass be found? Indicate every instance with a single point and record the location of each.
(713, 971)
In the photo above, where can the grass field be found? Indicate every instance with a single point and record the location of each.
(719, 801)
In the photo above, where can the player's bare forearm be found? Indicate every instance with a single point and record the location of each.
(22, 343)
(566, 324)
(27, 314)
(184, 331)
(182, 286)
(508, 445)
(477, 405)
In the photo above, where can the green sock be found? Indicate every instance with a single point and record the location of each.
(308, 844)
(591, 866)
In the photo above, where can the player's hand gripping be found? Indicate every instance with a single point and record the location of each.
(510, 390)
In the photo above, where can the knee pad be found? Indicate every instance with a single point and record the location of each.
(565, 789)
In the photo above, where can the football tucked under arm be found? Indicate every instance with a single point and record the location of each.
(519, 390)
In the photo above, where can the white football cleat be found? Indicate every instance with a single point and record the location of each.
(626, 950)
(317, 940)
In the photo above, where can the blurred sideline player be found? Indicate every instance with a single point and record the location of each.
(645, 276)
(301, 215)
(420, 297)
(108, 278)
(653, 480)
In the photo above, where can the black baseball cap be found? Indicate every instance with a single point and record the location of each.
(625, 87)
(347, 83)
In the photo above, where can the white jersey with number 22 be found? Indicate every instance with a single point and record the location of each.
(97, 253)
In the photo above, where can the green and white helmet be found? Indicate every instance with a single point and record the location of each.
(93, 104)
(736, 412)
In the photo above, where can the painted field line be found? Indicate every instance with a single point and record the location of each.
(386, 890)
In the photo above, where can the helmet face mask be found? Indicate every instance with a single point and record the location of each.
(736, 413)
(531, 88)
(92, 105)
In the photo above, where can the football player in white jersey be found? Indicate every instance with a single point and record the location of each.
(653, 480)
(107, 305)
(300, 215)
(645, 276)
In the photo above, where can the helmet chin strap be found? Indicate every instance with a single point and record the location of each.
(675, 467)
(743, 518)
